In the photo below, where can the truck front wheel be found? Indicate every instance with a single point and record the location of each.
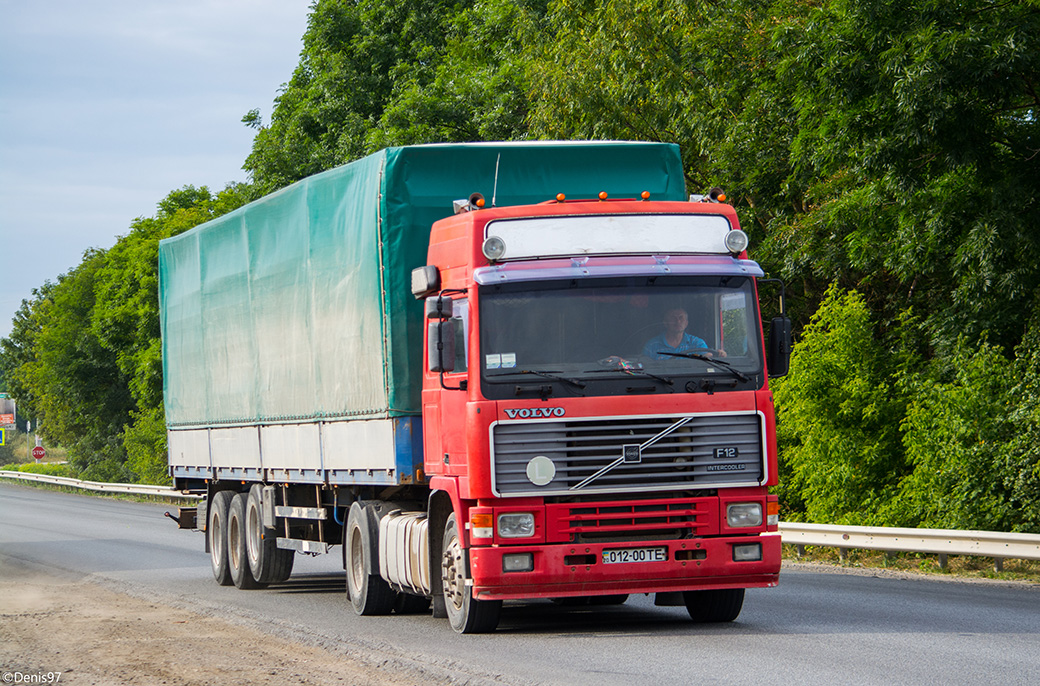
(718, 605)
(467, 614)
(216, 531)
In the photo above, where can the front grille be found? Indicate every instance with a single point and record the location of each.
(627, 454)
(632, 520)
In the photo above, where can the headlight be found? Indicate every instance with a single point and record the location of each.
(740, 515)
(516, 525)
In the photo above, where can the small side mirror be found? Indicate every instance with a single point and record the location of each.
(441, 353)
(779, 346)
(440, 307)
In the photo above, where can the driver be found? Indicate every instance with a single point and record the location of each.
(674, 339)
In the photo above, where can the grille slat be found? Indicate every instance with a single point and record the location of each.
(578, 448)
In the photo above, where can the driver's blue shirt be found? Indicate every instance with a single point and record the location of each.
(658, 344)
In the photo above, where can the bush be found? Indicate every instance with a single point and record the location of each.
(838, 417)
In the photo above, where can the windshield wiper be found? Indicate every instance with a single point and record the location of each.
(725, 366)
(544, 375)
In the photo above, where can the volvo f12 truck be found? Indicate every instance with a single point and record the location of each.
(488, 372)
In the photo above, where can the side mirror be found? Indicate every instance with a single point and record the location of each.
(440, 307)
(441, 335)
(779, 360)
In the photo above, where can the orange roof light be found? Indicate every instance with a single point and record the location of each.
(602, 195)
(645, 195)
(560, 197)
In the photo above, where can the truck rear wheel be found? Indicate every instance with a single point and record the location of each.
(369, 592)
(268, 563)
(237, 554)
(216, 532)
(466, 614)
(718, 605)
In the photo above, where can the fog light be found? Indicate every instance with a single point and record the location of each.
(516, 525)
(741, 515)
(494, 248)
(747, 552)
(736, 241)
(518, 562)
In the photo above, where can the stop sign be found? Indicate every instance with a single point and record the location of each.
(38, 452)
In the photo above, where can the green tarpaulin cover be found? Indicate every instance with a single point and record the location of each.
(298, 306)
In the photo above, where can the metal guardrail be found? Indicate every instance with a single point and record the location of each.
(943, 542)
(97, 486)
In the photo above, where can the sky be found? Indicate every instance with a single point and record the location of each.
(106, 106)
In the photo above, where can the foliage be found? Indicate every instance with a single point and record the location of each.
(884, 160)
(65, 470)
(839, 416)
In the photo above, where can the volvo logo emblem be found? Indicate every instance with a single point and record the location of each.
(535, 412)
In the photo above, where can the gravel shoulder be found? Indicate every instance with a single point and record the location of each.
(94, 635)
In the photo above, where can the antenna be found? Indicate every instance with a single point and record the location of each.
(494, 191)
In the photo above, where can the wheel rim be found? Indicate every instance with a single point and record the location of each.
(451, 574)
(216, 542)
(234, 540)
(357, 560)
(253, 537)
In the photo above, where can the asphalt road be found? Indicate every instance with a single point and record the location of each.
(815, 628)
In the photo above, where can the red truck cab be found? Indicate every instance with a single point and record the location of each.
(596, 408)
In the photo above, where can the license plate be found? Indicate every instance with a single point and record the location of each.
(622, 555)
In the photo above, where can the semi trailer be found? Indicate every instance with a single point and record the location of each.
(488, 372)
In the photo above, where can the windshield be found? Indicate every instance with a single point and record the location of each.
(621, 335)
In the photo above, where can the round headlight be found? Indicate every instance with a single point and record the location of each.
(494, 248)
(736, 241)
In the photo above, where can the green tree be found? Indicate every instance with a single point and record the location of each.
(355, 52)
(78, 391)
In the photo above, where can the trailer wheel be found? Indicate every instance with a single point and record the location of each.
(719, 605)
(237, 552)
(369, 592)
(466, 614)
(267, 562)
(216, 531)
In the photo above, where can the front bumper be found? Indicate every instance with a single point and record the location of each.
(577, 569)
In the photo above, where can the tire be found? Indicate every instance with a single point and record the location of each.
(216, 533)
(466, 614)
(408, 604)
(237, 549)
(721, 605)
(268, 563)
(369, 593)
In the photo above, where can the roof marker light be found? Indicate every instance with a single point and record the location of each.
(560, 197)
(645, 195)
(602, 195)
